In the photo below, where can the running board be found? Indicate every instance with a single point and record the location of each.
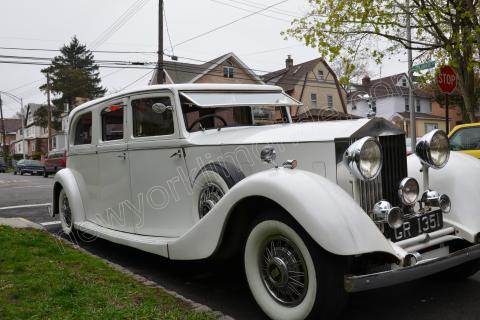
(156, 245)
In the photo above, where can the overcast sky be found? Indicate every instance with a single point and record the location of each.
(51, 23)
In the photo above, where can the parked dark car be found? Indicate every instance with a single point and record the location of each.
(33, 167)
(2, 166)
(55, 161)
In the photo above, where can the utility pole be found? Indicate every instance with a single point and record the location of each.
(411, 102)
(160, 43)
(4, 133)
(49, 114)
(23, 127)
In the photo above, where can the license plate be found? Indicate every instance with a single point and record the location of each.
(416, 225)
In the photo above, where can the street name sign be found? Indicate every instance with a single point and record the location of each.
(423, 66)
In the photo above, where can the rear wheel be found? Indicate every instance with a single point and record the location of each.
(212, 183)
(65, 212)
(289, 275)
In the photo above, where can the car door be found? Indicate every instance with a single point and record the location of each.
(113, 168)
(161, 191)
(83, 159)
(466, 140)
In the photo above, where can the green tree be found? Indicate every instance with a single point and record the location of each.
(72, 74)
(447, 31)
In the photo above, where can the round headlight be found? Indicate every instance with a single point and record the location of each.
(364, 158)
(408, 191)
(433, 149)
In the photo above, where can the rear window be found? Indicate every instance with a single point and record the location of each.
(83, 129)
(112, 123)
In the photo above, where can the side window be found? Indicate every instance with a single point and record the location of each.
(152, 117)
(112, 122)
(83, 129)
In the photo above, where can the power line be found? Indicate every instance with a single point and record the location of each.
(94, 51)
(229, 23)
(132, 83)
(118, 23)
(250, 10)
(168, 31)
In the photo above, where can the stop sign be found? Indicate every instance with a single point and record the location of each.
(447, 79)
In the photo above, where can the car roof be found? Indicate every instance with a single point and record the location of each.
(461, 126)
(180, 87)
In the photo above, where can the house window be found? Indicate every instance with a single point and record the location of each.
(313, 99)
(228, 70)
(430, 126)
(330, 102)
(112, 123)
(417, 105)
(407, 104)
(152, 117)
(404, 82)
(320, 75)
(83, 129)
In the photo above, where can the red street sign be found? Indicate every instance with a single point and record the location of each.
(447, 79)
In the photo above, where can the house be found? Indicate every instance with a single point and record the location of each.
(227, 68)
(313, 83)
(11, 127)
(35, 138)
(390, 97)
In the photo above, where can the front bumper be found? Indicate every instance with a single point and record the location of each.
(420, 270)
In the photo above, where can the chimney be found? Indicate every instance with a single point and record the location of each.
(366, 80)
(289, 62)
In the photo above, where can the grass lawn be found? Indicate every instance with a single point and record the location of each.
(40, 278)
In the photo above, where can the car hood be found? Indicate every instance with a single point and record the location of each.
(296, 132)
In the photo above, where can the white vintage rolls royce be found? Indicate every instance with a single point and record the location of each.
(315, 210)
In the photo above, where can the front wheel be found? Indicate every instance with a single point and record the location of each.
(289, 275)
(66, 217)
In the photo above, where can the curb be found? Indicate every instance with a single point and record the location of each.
(195, 305)
(20, 223)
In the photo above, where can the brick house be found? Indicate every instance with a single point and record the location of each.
(11, 127)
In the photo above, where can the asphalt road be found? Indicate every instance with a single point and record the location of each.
(223, 287)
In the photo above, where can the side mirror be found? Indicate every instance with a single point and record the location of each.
(161, 108)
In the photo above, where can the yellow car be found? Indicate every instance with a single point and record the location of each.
(466, 138)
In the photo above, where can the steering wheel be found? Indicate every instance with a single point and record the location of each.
(205, 117)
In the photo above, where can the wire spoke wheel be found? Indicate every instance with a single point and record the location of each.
(210, 195)
(283, 271)
(66, 214)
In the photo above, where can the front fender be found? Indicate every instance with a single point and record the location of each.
(66, 180)
(331, 217)
(460, 180)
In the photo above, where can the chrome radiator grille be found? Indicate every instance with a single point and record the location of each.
(385, 186)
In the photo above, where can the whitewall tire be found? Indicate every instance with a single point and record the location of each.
(289, 276)
(65, 213)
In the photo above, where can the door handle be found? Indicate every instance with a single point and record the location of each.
(123, 156)
(177, 154)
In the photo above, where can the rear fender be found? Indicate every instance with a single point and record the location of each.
(64, 179)
(331, 217)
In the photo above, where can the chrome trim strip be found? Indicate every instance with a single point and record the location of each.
(431, 243)
(424, 237)
(420, 270)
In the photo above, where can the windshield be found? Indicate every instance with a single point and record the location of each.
(466, 139)
(226, 114)
(32, 163)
